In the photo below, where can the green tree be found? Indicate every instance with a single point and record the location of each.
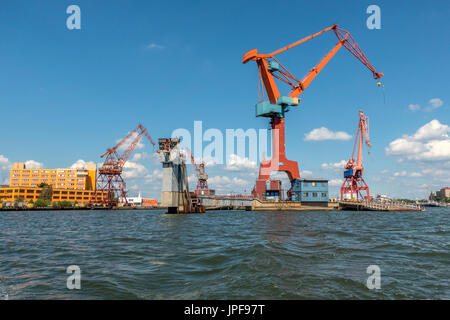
(41, 203)
(46, 192)
(62, 204)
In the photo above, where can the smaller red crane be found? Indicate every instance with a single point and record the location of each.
(202, 177)
(354, 183)
(110, 185)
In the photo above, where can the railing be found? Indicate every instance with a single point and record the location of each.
(391, 205)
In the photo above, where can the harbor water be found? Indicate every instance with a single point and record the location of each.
(140, 254)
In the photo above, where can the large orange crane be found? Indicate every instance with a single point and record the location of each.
(110, 185)
(354, 183)
(270, 68)
(202, 177)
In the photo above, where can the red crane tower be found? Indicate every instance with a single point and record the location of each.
(354, 183)
(202, 177)
(110, 185)
(269, 68)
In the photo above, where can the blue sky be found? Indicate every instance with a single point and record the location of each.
(67, 95)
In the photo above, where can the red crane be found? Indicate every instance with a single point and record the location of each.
(269, 69)
(354, 183)
(202, 177)
(110, 185)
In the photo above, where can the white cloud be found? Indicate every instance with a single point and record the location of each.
(156, 175)
(133, 169)
(400, 174)
(306, 174)
(153, 46)
(236, 163)
(335, 182)
(31, 164)
(5, 167)
(140, 156)
(323, 133)
(337, 166)
(224, 183)
(219, 180)
(414, 107)
(80, 164)
(126, 144)
(432, 130)
(430, 142)
(192, 178)
(434, 104)
(415, 174)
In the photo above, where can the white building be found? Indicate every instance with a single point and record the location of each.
(135, 201)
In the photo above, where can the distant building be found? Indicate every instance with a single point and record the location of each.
(382, 197)
(77, 179)
(149, 202)
(444, 193)
(139, 201)
(136, 201)
(310, 190)
(74, 185)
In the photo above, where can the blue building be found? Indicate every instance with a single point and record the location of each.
(310, 190)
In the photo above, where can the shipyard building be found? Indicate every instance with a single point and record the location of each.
(72, 184)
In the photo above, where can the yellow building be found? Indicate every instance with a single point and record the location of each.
(75, 179)
(67, 184)
(10, 194)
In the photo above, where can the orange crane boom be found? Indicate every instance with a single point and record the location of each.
(270, 69)
(109, 179)
(354, 183)
(202, 177)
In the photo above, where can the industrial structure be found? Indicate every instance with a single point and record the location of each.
(354, 184)
(109, 178)
(175, 193)
(202, 178)
(277, 105)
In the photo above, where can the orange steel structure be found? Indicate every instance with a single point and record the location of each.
(354, 183)
(109, 178)
(270, 68)
(202, 177)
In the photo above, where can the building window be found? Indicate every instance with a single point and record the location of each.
(305, 184)
(313, 184)
(305, 194)
(314, 194)
(324, 194)
(324, 184)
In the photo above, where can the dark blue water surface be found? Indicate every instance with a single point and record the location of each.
(140, 254)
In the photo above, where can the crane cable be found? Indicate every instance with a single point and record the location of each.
(382, 88)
